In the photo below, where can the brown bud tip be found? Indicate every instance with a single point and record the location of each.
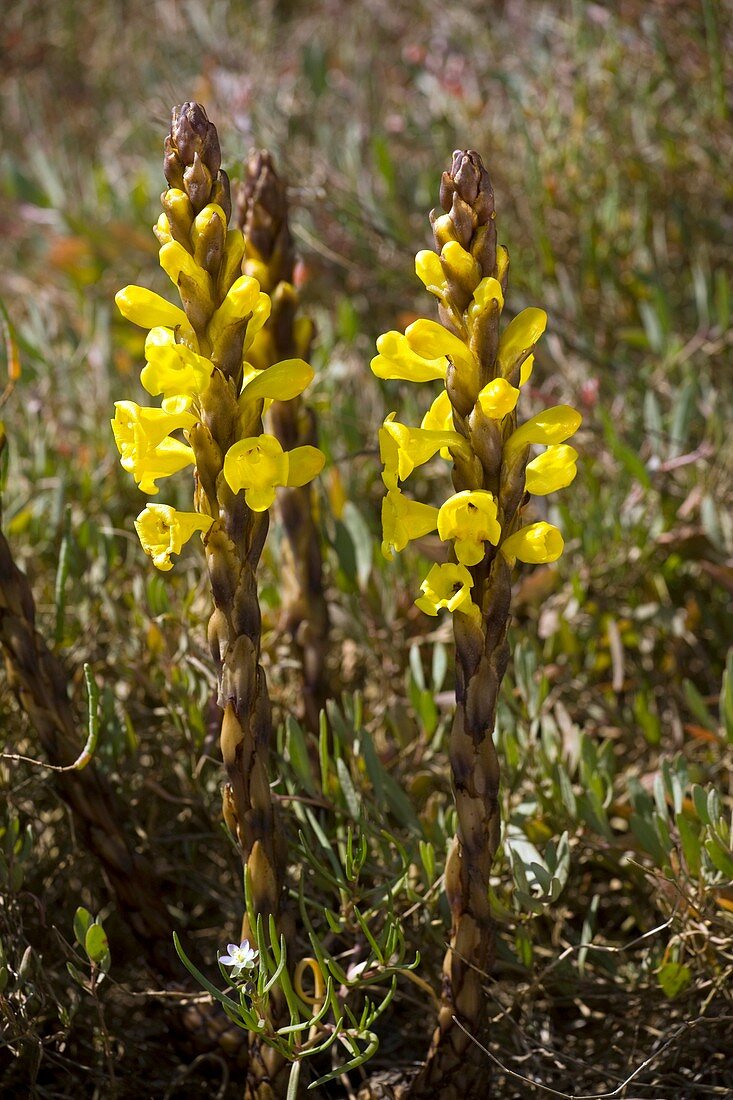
(469, 180)
(262, 213)
(191, 133)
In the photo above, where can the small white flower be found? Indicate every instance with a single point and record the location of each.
(241, 957)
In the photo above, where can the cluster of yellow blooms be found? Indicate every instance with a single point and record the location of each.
(429, 351)
(181, 371)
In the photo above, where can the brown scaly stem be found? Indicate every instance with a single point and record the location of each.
(455, 1067)
(262, 213)
(236, 539)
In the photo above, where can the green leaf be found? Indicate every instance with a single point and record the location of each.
(95, 943)
(674, 977)
(362, 540)
(348, 790)
(690, 840)
(698, 706)
(297, 752)
(721, 857)
(82, 921)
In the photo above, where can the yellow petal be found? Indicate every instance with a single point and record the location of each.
(304, 463)
(525, 371)
(147, 309)
(397, 359)
(519, 337)
(497, 399)
(535, 544)
(439, 417)
(281, 382)
(163, 531)
(236, 307)
(553, 425)
(448, 586)
(470, 518)
(258, 465)
(431, 340)
(459, 264)
(404, 519)
(416, 446)
(176, 261)
(429, 269)
(552, 470)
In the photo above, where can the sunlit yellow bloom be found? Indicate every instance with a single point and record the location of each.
(280, 382)
(519, 337)
(163, 531)
(448, 586)
(167, 458)
(459, 264)
(488, 291)
(498, 398)
(537, 543)
(415, 445)
(439, 417)
(397, 359)
(553, 425)
(404, 519)
(554, 469)
(140, 429)
(429, 271)
(244, 301)
(431, 340)
(162, 229)
(147, 309)
(172, 368)
(259, 465)
(176, 261)
(469, 518)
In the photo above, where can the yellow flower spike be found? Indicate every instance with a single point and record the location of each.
(553, 425)
(439, 417)
(148, 310)
(525, 371)
(139, 429)
(497, 399)
(536, 544)
(404, 519)
(167, 458)
(176, 261)
(164, 531)
(459, 264)
(173, 369)
(552, 470)
(281, 382)
(259, 465)
(447, 586)
(518, 338)
(429, 270)
(470, 518)
(416, 445)
(397, 359)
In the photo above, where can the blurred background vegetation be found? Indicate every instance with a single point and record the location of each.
(607, 132)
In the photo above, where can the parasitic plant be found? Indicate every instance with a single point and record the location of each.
(482, 366)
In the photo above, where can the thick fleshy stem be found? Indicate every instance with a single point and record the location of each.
(455, 1067)
(198, 208)
(261, 210)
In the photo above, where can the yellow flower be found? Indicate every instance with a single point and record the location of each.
(497, 399)
(439, 417)
(280, 382)
(414, 446)
(167, 458)
(429, 271)
(525, 371)
(397, 359)
(178, 263)
(244, 301)
(172, 368)
(163, 531)
(552, 470)
(488, 291)
(519, 338)
(404, 519)
(448, 586)
(142, 438)
(431, 340)
(554, 425)
(458, 264)
(537, 543)
(469, 518)
(147, 309)
(259, 465)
